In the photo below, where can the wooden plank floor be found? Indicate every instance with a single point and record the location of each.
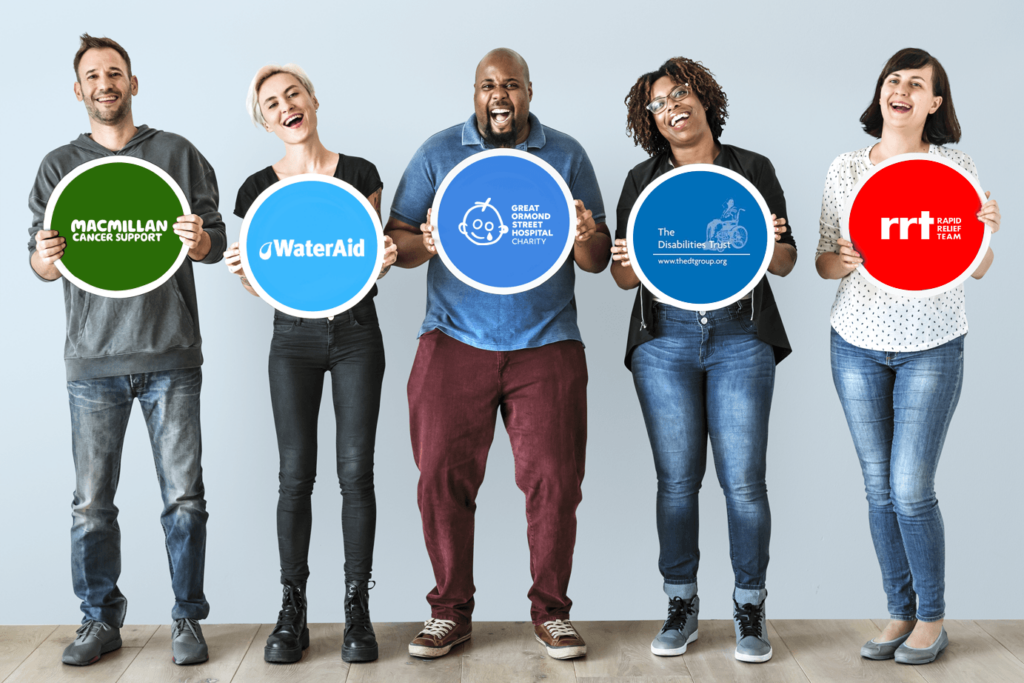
(805, 651)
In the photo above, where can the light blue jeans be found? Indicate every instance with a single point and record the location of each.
(899, 406)
(99, 416)
(708, 375)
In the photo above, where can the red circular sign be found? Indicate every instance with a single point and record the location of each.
(914, 221)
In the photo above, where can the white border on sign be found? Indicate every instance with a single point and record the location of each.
(126, 293)
(844, 226)
(435, 215)
(711, 305)
(307, 178)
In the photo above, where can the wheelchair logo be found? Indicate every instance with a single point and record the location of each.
(482, 229)
(726, 232)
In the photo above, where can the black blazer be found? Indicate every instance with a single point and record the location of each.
(759, 171)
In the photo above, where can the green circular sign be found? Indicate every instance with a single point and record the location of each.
(117, 217)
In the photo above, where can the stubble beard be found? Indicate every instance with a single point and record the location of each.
(110, 118)
(501, 139)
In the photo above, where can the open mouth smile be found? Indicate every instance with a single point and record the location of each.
(679, 120)
(900, 107)
(107, 99)
(294, 121)
(501, 116)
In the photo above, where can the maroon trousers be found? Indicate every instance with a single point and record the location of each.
(454, 391)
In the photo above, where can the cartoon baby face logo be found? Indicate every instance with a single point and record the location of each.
(478, 225)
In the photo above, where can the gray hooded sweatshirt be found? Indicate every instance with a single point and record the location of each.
(151, 332)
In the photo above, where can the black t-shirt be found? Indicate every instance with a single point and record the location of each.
(357, 172)
(759, 171)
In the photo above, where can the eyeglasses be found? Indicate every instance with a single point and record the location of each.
(680, 93)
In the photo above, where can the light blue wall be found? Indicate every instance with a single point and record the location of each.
(388, 75)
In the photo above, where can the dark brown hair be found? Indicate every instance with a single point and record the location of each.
(941, 127)
(640, 124)
(89, 43)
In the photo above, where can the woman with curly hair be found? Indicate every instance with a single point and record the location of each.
(704, 373)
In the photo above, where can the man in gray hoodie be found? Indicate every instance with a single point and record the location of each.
(146, 347)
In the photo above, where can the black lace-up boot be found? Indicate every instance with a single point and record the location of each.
(360, 641)
(291, 635)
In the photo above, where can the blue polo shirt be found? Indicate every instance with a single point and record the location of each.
(497, 322)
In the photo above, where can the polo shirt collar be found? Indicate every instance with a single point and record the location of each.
(535, 140)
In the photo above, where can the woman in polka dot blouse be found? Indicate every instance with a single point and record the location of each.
(897, 362)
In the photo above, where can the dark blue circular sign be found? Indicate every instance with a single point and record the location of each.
(312, 246)
(700, 237)
(505, 221)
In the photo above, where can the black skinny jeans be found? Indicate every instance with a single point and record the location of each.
(351, 348)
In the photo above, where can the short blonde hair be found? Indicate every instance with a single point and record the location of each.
(252, 103)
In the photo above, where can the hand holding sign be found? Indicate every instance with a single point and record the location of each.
(190, 230)
(49, 246)
(989, 214)
(428, 234)
(585, 225)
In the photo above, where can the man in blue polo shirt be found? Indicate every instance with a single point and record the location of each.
(480, 352)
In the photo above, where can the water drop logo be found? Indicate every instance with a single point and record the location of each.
(265, 250)
(481, 231)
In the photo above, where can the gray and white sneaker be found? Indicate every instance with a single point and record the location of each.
(188, 642)
(680, 627)
(751, 633)
(94, 639)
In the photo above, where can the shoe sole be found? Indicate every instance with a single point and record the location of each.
(277, 655)
(189, 661)
(923, 661)
(359, 654)
(424, 652)
(109, 647)
(674, 652)
(754, 659)
(562, 652)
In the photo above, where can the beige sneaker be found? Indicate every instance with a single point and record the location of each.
(438, 637)
(560, 639)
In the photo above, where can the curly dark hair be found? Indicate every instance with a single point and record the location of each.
(940, 128)
(640, 124)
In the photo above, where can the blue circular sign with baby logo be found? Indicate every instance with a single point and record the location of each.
(505, 221)
(312, 246)
(700, 237)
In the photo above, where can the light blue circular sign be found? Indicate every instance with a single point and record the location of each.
(312, 246)
(700, 237)
(505, 221)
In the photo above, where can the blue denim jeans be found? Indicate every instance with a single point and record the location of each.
(708, 375)
(899, 406)
(99, 416)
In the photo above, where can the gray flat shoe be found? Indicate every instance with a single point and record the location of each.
(883, 650)
(922, 655)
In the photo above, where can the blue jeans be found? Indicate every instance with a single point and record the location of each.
(708, 375)
(99, 416)
(899, 406)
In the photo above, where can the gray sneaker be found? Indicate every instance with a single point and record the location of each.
(680, 627)
(188, 642)
(751, 633)
(94, 639)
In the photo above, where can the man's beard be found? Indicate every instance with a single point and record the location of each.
(501, 139)
(111, 118)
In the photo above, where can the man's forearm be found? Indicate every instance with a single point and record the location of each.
(594, 254)
(411, 250)
(202, 249)
(47, 271)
